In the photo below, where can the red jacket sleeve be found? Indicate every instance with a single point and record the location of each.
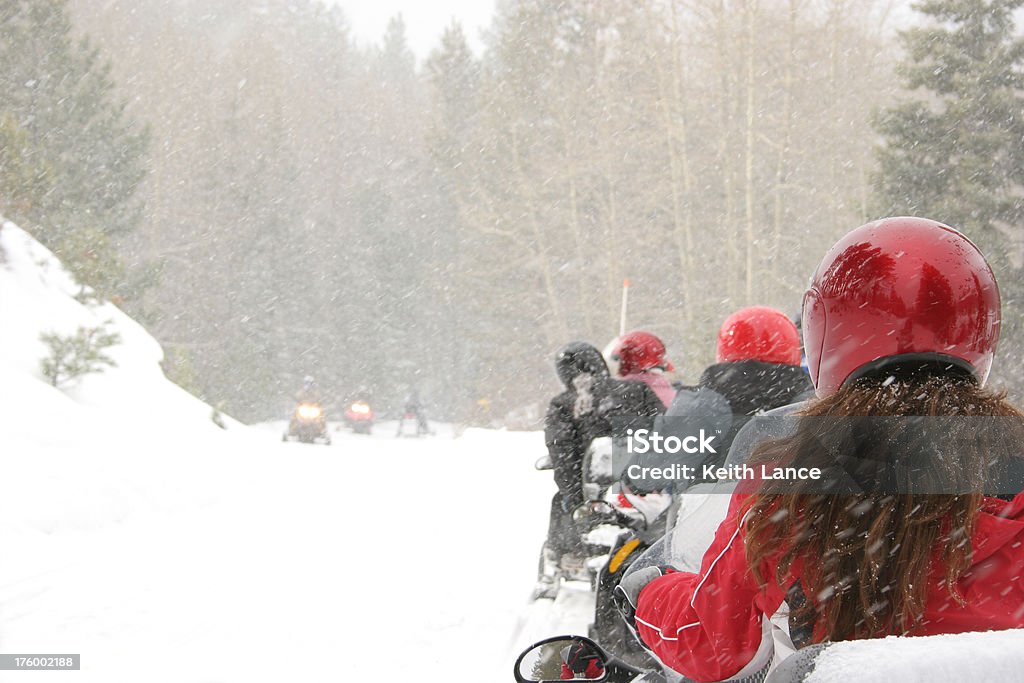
(708, 626)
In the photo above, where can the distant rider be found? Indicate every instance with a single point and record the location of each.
(414, 409)
(309, 393)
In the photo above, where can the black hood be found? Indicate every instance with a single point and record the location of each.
(751, 386)
(579, 358)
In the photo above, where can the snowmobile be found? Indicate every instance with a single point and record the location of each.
(602, 521)
(695, 514)
(308, 424)
(412, 424)
(359, 417)
(608, 628)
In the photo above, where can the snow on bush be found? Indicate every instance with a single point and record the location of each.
(81, 353)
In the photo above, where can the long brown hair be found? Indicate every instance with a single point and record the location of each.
(867, 558)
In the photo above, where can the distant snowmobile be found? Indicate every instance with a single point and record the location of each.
(412, 425)
(359, 417)
(413, 415)
(308, 424)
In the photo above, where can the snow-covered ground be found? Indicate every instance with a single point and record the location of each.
(162, 548)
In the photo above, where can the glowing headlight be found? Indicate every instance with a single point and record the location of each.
(309, 412)
(360, 408)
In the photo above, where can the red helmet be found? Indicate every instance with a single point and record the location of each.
(900, 290)
(638, 351)
(759, 333)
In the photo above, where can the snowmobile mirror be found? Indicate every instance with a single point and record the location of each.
(592, 508)
(553, 659)
(544, 463)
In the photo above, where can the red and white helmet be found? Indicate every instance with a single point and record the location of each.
(899, 291)
(759, 333)
(638, 351)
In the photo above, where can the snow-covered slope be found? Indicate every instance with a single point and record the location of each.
(66, 451)
(162, 548)
(37, 295)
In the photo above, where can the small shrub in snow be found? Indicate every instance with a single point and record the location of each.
(218, 415)
(78, 354)
(87, 296)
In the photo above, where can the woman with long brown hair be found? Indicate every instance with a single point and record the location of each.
(917, 525)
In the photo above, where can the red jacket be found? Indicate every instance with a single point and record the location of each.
(658, 383)
(715, 625)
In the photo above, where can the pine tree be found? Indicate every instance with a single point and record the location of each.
(61, 99)
(82, 353)
(25, 180)
(454, 76)
(397, 62)
(955, 154)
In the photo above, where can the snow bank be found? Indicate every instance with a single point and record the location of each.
(101, 431)
(37, 295)
(990, 656)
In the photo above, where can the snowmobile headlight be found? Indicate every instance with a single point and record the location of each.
(309, 411)
(360, 408)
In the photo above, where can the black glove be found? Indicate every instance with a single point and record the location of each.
(628, 591)
(570, 503)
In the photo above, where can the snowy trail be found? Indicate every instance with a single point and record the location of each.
(136, 533)
(296, 559)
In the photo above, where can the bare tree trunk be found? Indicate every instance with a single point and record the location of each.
(749, 8)
(612, 244)
(557, 331)
(836, 12)
(782, 163)
(684, 161)
(675, 130)
(612, 237)
(726, 105)
(583, 300)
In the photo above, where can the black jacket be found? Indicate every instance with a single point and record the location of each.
(728, 395)
(753, 387)
(593, 405)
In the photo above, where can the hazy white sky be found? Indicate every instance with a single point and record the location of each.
(424, 20)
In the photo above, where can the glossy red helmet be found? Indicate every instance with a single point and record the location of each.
(638, 351)
(759, 333)
(900, 291)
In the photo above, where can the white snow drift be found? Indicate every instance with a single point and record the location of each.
(162, 548)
